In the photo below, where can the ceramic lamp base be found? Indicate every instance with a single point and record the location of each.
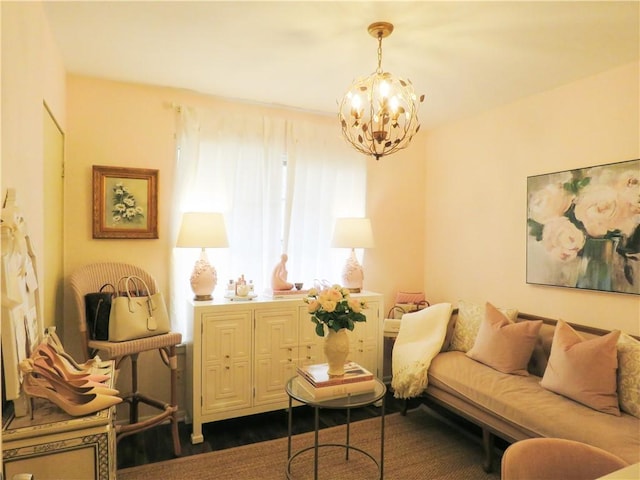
(203, 278)
(352, 274)
(203, 298)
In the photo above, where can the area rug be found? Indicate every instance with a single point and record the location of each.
(419, 445)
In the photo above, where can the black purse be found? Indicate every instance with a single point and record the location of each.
(98, 309)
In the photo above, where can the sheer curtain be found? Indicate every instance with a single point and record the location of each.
(182, 260)
(279, 184)
(326, 180)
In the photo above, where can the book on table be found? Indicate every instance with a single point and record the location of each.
(329, 392)
(318, 374)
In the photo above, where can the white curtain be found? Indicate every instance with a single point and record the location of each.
(279, 184)
(327, 180)
(186, 166)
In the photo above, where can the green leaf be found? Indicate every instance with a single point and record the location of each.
(583, 183)
(535, 229)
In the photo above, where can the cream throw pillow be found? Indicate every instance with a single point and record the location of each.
(470, 316)
(629, 374)
(583, 370)
(504, 345)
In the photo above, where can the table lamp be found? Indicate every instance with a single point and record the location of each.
(203, 230)
(352, 233)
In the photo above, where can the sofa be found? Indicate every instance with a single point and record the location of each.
(440, 370)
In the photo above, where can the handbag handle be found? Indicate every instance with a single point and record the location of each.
(108, 285)
(393, 310)
(134, 279)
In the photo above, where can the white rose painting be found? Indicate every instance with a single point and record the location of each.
(583, 228)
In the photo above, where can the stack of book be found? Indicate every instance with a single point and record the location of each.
(315, 379)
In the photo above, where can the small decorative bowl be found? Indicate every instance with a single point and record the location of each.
(298, 285)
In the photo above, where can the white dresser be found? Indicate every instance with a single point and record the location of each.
(244, 352)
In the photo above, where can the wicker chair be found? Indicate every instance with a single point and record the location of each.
(89, 279)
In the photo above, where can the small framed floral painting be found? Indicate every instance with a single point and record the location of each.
(583, 228)
(125, 202)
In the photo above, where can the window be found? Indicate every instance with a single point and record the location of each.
(280, 184)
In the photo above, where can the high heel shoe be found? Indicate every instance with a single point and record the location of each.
(40, 368)
(74, 404)
(56, 362)
(54, 342)
(41, 371)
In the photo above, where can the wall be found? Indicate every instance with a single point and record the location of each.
(32, 73)
(476, 194)
(120, 124)
(113, 123)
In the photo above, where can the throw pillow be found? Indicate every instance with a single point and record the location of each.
(504, 345)
(629, 374)
(470, 315)
(583, 370)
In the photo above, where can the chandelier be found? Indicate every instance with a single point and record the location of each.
(379, 113)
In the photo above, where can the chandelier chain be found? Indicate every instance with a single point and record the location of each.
(379, 69)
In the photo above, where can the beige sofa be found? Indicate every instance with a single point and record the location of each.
(515, 407)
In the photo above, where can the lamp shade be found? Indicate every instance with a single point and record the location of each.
(202, 230)
(352, 233)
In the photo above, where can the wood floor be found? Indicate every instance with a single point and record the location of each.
(155, 444)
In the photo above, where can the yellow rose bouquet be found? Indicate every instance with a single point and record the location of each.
(334, 308)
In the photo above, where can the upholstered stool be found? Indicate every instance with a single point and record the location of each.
(557, 459)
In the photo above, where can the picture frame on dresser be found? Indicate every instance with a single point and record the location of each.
(125, 202)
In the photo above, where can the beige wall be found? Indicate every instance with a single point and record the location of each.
(119, 124)
(112, 123)
(476, 194)
(32, 73)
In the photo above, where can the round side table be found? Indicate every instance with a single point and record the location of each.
(297, 392)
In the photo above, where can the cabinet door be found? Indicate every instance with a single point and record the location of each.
(226, 361)
(276, 349)
(363, 340)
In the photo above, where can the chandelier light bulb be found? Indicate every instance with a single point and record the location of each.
(379, 112)
(394, 103)
(356, 102)
(384, 89)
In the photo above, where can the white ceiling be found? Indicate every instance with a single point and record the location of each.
(465, 56)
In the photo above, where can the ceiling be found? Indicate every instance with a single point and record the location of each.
(465, 57)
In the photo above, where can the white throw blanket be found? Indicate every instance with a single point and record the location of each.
(419, 340)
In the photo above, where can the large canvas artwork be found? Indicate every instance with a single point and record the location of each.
(584, 228)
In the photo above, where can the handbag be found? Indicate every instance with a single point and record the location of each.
(97, 309)
(134, 317)
(410, 297)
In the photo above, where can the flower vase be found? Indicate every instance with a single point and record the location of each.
(336, 350)
(596, 265)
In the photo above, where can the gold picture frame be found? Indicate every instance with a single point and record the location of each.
(125, 202)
